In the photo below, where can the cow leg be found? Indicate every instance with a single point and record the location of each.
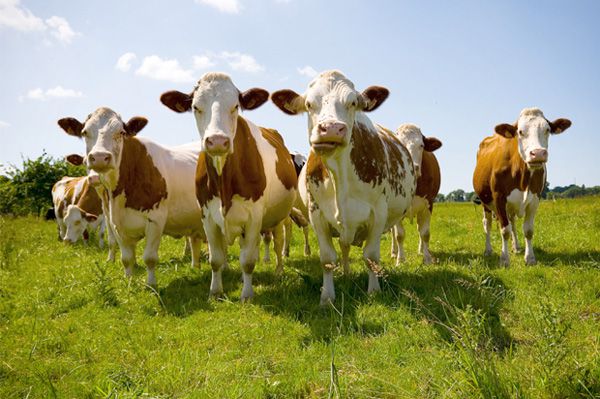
(217, 256)
(306, 242)
(513, 232)
(187, 247)
(287, 236)
(267, 237)
(423, 220)
(153, 235)
(399, 234)
(530, 211)
(62, 229)
(505, 229)
(345, 249)
(127, 255)
(487, 228)
(279, 236)
(195, 244)
(101, 230)
(371, 251)
(327, 256)
(394, 244)
(249, 248)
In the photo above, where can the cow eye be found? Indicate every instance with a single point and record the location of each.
(353, 103)
(197, 109)
(235, 108)
(308, 105)
(520, 132)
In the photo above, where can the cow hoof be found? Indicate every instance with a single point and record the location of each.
(504, 261)
(488, 252)
(215, 296)
(326, 300)
(427, 260)
(530, 260)
(517, 250)
(246, 299)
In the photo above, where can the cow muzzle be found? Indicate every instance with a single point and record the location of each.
(100, 161)
(537, 158)
(217, 146)
(328, 136)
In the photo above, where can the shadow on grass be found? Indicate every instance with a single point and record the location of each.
(581, 259)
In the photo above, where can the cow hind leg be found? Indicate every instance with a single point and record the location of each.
(267, 238)
(112, 242)
(528, 231)
(487, 228)
(423, 221)
(393, 244)
(345, 250)
(306, 241)
(195, 244)
(287, 236)
(279, 236)
(399, 234)
(513, 233)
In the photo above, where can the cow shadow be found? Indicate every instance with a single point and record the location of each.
(579, 259)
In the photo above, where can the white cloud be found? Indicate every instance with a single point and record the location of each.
(307, 71)
(229, 6)
(56, 92)
(241, 62)
(124, 62)
(155, 67)
(19, 18)
(60, 29)
(4, 124)
(14, 16)
(204, 61)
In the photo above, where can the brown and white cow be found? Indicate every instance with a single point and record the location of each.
(510, 175)
(359, 178)
(428, 185)
(150, 187)
(245, 180)
(78, 210)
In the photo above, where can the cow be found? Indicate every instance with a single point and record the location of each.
(510, 175)
(359, 178)
(245, 179)
(428, 185)
(78, 210)
(149, 187)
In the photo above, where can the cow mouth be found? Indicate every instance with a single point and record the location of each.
(536, 164)
(325, 146)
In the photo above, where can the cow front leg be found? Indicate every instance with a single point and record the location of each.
(195, 244)
(217, 256)
(487, 228)
(530, 211)
(101, 230)
(399, 235)
(505, 229)
(513, 233)
(127, 246)
(371, 251)
(287, 236)
(305, 231)
(267, 238)
(249, 249)
(327, 256)
(345, 249)
(279, 236)
(423, 220)
(154, 231)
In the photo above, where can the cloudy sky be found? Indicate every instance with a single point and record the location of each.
(454, 68)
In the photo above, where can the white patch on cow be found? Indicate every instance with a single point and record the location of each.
(411, 137)
(533, 132)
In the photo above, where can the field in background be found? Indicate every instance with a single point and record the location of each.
(71, 326)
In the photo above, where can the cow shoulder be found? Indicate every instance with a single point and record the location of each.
(139, 178)
(428, 184)
(284, 166)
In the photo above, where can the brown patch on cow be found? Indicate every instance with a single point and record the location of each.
(69, 195)
(243, 173)
(378, 157)
(316, 170)
(284, 167)
(89, 200)
(428, 184)
(499, 170)
(139, 179)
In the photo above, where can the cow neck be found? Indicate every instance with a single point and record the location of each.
(527, 180)
(138, 177)
(243, 173)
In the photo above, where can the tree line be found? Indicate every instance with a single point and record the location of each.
(570, 191)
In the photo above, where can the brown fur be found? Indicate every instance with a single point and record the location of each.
(89, 201)
(368, 155)
(315, 168)
(500, 170)
(284, 167)
(139, 179)
(428, 184)
(69, 196)
(243, 173)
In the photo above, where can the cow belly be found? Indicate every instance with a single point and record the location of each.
(517, 201)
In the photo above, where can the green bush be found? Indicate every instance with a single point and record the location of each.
(28, 190)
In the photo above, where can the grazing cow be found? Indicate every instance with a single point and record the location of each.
(359, 177)
(428, 185)
(245, 180)
(149, 187)
(78, 210)
(510, 175)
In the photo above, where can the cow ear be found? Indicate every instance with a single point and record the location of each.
(134, 125)
(177, 101)
(89, 217)
(74, 159)
(506, 130)
(373, 97)
(289, 101)
(253, 98)
(559, 125)
(431, 144)
(71, 126)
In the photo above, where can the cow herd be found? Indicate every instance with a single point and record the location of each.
(239, 181)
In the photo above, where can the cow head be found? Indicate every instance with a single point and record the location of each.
(216, 103)
(332, 105)
(76, 221)
(103, 132)
(532, 131)
(411, 137)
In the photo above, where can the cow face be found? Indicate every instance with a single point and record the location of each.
(76, 221)
(411, 137)
(216, 104)
(103, 132)
(532, 131)
(332, 104)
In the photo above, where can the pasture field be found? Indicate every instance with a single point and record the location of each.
(71, 326)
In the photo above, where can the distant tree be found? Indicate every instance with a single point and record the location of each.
(439, 197)
(28, 190)
(456, 196)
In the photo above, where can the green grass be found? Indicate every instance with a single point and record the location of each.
(71, 326)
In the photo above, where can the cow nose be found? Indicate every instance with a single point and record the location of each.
(100, 159)
(331, 128)
(217, 143)
(539, 155)
(67, 240)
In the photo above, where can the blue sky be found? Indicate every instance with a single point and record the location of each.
(456, 68)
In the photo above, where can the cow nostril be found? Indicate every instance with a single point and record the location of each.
(322, 128)
(92, 159)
